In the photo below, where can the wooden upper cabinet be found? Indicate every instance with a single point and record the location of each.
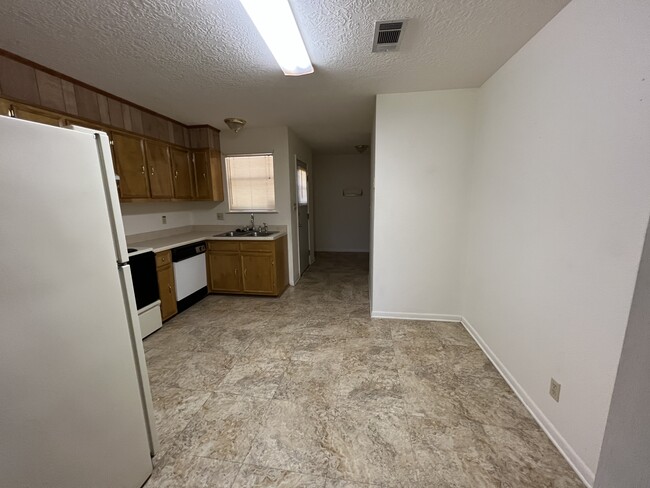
(128, 152)
(182, 174)
(5, 106)
(202, 174)
(207, 175)
(27, 112)
(160, 169)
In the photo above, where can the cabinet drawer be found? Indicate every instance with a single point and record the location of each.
(256, 246)
(163, 259)
(223, 245)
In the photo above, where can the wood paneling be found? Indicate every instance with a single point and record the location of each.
(126, 116)
(18, 81)
(154, 127)
(115, 112)
(179, 137)
(22, 80)
(69, 98)
(87, 104)
(136, 120)
(102, 101)
(50, 91)
(199, 137)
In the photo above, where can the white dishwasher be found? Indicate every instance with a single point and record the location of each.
(190, 275)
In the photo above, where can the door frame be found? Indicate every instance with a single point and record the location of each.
(299, 164)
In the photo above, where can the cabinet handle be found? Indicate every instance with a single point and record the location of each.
(170, 288)
(235, 271)
(143, 169)
(153, 170)
(163, 260)
(176, 174)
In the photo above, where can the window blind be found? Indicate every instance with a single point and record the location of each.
(302, 186)
(250, 182)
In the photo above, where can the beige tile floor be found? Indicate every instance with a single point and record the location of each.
(306, 390)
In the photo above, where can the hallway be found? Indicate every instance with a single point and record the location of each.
(307, 391)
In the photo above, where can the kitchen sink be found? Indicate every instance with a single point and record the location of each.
(247, 233)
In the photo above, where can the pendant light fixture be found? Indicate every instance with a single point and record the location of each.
(276, 24)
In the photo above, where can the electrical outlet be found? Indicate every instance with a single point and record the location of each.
(164, 219)
(554, 390)
(219, 216)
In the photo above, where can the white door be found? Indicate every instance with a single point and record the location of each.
(302, 184)
(71, 412)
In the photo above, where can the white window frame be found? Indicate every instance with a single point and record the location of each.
(229, 185)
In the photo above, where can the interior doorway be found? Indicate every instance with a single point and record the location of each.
(302, 199)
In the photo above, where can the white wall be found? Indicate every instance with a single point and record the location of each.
(559, 201)
(423, 146)
(624, 456)
(147, 217)
(342, 223)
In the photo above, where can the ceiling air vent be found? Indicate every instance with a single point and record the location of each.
(388, 35)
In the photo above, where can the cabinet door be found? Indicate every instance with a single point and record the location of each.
(35, 115)
(202, 174)
(160, 169)
(258, 271)
(224, 272)
(167, 292)
(182, 171)
(216, 180)
(128, 152)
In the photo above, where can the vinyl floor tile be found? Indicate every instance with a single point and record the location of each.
(306, 390)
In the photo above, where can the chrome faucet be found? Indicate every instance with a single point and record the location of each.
(252, 221)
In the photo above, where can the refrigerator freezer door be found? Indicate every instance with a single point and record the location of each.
(71, 412)
(110, 189)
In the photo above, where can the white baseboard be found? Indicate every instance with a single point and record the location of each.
(578, 465)
(343, 250)
(415, 316)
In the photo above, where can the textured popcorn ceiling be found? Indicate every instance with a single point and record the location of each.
(199, 61)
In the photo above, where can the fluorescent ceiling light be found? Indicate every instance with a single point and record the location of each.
(277, 26)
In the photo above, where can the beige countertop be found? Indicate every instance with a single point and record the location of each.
(168, 242)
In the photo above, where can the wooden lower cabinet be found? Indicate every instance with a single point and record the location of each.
(166, 286)
(258, 274)
(248, 267)
(224, 271)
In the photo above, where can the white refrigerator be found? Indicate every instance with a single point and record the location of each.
(75, 403)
